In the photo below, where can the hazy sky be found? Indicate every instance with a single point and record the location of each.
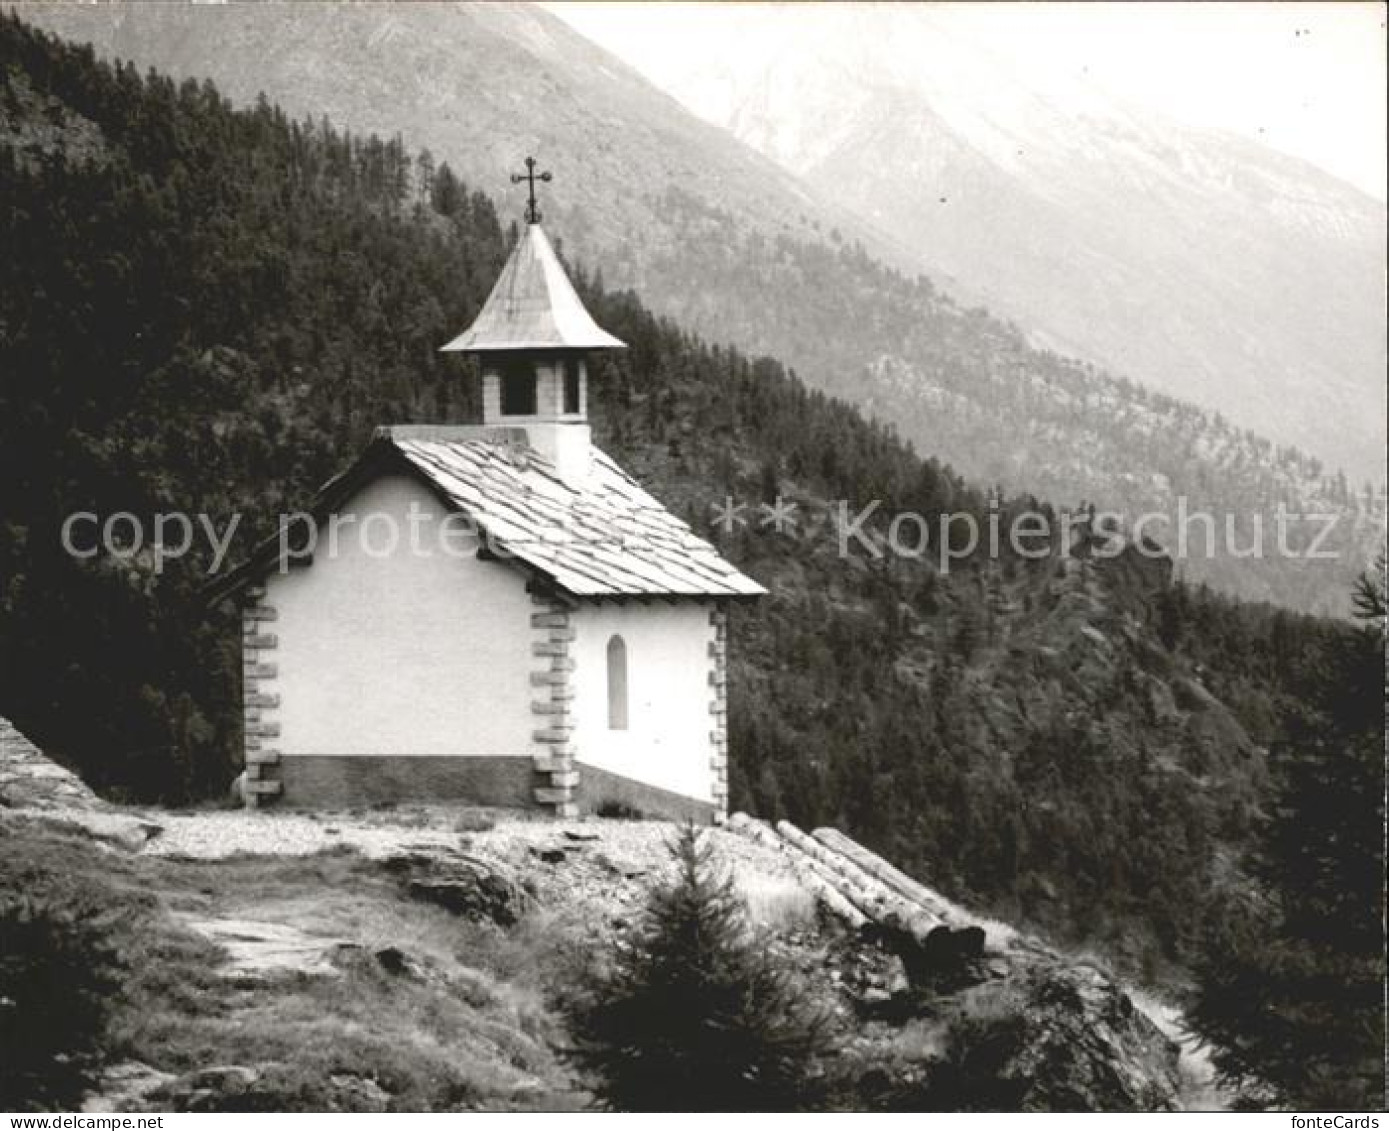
(1306, 78)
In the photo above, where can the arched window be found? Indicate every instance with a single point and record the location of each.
(617, 684)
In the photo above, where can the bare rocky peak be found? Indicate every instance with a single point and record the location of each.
(1198, 262)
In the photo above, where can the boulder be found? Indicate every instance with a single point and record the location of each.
(463, 885)
(358, 1093)
(238, 793)
(221, 1087)
(123, 830)
(618, 866)
(39, 788)
(127, 1085)
(1055, 1037)
(28, 780)
(401, 963)
(258, 949)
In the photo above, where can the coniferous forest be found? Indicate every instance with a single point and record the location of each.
(207, 310)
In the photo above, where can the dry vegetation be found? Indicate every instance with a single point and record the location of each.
(775, 903)
(286, 948)
(462, 1025)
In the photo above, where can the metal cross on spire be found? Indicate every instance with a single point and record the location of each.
(530, 176)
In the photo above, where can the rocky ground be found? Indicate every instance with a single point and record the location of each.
(447, 928)
(31, 784)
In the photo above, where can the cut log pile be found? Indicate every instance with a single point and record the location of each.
(809, 871)
(860, 888)
(934, 904)
(878, 902)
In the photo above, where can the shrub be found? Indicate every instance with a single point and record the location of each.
(695, 1014)
(619, 811)
(57, 978)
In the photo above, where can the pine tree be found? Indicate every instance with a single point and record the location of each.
(1291, 985)
(695, 1015)
(58, 977)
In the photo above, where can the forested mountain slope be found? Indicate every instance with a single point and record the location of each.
(737, 250)
(207, 310)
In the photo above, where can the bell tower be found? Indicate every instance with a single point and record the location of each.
(532, 338)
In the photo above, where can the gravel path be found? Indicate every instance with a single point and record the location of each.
(31, 783)
(212, 834)
(217, 833)
(594, 873)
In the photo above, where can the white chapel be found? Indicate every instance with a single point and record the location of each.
(556, 639)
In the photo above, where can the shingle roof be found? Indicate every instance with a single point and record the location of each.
(606, 538)
(533, 305)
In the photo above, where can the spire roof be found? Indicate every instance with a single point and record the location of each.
(533, 306)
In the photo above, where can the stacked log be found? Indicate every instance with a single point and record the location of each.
(884, 872)
(822, 886)
(898, 881)
(938, 943)
(875, 899)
